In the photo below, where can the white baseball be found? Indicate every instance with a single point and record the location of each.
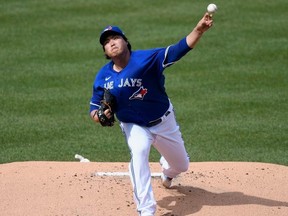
(212, 8)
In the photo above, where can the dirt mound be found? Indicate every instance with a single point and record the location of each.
(208, 188)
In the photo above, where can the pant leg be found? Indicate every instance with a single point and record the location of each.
(170, 145)
(139, 140)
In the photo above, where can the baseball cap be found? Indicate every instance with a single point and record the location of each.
(111, 30)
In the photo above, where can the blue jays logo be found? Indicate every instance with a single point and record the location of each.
(108, 28)
(139, 94)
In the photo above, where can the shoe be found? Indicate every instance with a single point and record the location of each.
(166, 181)
(147, 214)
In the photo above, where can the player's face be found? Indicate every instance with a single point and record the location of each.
(115, 45)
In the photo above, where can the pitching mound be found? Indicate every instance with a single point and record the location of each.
(208, 188)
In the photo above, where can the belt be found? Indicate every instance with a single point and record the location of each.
(157, 121)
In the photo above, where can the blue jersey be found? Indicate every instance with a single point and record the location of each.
(139, 87)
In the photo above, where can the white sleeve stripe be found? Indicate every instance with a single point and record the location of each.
(169, 63)
(93, 104)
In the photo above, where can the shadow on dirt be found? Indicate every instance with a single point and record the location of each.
(188, 200)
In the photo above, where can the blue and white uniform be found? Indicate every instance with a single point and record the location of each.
(139, 87)
(146, 116)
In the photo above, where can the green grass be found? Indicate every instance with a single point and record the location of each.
(230, 93)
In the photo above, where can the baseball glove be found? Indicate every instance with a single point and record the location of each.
(108, 102)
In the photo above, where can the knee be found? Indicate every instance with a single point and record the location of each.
(183, 166)
(140, 153)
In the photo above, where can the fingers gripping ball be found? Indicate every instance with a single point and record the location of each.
(108, 103)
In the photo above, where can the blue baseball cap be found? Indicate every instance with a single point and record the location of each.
(111, 30)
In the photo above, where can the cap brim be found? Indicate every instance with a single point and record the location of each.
(106, 34)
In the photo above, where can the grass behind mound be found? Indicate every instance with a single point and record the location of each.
(230, 93)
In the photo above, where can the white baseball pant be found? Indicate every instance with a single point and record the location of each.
(167, 139)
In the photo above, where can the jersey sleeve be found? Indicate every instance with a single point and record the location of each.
(97, 92)
(96, 98)
(175, 52)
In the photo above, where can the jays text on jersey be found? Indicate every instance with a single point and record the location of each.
(140, 85)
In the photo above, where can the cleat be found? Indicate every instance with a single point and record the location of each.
(166, 181)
